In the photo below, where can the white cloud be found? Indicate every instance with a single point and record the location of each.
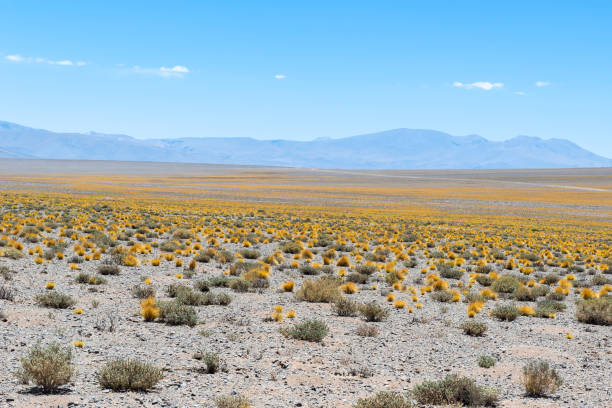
(280, 76)
(177, 71)
(487, 86)
(14, 58)
(542, 83)
(520, 93)
(177, 68)
(38, 60)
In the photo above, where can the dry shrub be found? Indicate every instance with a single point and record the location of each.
(595, 311)
(49, 366)
(539, 378)
(322, 290)
(129, 375)
(384, 399)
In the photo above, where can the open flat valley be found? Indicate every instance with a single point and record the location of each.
(310, 288)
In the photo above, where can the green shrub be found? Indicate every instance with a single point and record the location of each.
(310, 330)
(486, 361)
(324, 290)
(483, 269)
(448, 272)
(506, 312)
(454, 390)
(547, 308)
(55, 300)
(540, 379)
(240, 285)
(472, 328)
(599, 280)
(108, 270)
(357, 278)
(48, 367)
(595, 311)
(484, 280)
(373, 312)
(473, 297)
(366, 269)
(505, 284)
(384, 399)
(308, 270)
(224, 256)
(212, 363)
(129, 375)
(551, 278)
(443, 296)
(345, 307)
(523, 294)
(175, 314)
(249, 254)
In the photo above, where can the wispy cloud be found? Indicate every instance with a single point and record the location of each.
(522, 93)
(177, 71)
(38, 60)
(487, 86)
(542, 83)
(280, 76)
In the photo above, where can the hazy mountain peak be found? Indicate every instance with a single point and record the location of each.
(401, 148)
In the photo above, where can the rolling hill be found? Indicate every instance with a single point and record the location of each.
(392, 149)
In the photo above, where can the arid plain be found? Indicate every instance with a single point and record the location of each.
(305, 287)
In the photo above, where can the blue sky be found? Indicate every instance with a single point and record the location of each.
(302, 70)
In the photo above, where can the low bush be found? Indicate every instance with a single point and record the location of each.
(55, 300)
(484, 280)
(143, 291)
(232, 401)
(324, 290)
(539, 379)
(49, 367)
(595, 311)
(109, 270)
(249, 254)
(367, 330)
(345, 307)
(505, 284)
(367, 269)
(7, 293)
(443, 296)
(486, 361)
(373, 312)
(523, 294)
(129, 375)
(506, 312)
(472, 328)
(548, 308)
(384, 399)
(454, 390)
(310, 330)
(291, 247)
(175, 314)
(448, 272)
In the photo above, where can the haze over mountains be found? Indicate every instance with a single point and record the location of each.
(392, 149)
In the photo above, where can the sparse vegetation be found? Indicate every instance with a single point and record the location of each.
(129, 375)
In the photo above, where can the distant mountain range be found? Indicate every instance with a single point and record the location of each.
(391, 149)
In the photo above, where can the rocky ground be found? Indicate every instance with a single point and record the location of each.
(274, 371)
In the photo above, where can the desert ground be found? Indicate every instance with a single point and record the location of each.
(305, 287)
